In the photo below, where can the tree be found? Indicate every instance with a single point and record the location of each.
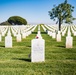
(17, 20)
(5, 23)
(62, 13)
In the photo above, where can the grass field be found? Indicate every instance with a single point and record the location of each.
(58, 59)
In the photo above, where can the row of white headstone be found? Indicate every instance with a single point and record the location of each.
(57, 35)
(17, 31)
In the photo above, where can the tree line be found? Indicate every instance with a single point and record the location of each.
(15, 20)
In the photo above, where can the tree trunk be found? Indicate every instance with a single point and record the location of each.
(59, 24)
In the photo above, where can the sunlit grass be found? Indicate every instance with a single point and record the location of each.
(58, 59)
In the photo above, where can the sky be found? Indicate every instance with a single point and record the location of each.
(34, 11)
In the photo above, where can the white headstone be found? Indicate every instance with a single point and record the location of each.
(63, 33)
(39, 35)
(15, 34)
(48, 32)
(9, 33)
(8, 41)
(58, 38)
(38, 50)
(69, 42)
(39, 28)
(54, 35)
(38, 32)
(23, 35)
(69, 39)
(3, 34)
(18, 37)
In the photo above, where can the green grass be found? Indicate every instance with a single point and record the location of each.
(58, 59)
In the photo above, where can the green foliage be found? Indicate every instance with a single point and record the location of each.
(5, 23)
(62, 13)
(17, 20)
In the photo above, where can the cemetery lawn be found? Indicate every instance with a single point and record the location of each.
(58, 59)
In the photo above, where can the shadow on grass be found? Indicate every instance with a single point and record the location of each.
(71, 58)
(29, 46)
(34, 32)
(61, 46)
(43, 33)
(2, 46)
(22, 59)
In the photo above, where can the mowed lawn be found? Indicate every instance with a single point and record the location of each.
(58, 59)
